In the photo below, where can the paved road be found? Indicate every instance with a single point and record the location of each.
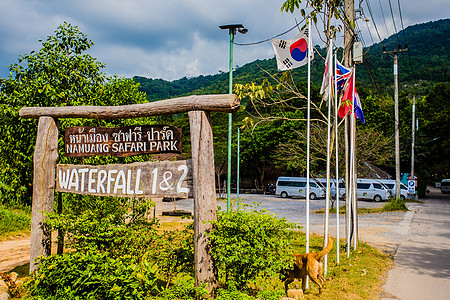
(422, 261)
(384, 231)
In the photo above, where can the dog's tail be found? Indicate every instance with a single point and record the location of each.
(327, 249)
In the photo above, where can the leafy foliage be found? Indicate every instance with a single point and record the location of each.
(59, 74)
(249, 243)
(91, 275)
(13, 221)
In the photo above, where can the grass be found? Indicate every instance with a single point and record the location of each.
(358, 277)
(14, 221)
(392, 205)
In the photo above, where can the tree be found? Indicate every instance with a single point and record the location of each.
(434, 133)
(59, 74)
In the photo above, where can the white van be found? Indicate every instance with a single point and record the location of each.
(390, 184)
(445, 186)
(371, 189)
(333, 186)
(296, 187)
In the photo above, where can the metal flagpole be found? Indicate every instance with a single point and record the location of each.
(308, 128)
(337, 159)
(327, 197)
(238, 162)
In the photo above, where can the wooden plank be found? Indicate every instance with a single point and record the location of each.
(122, 141)
(45, 156)
(221, 103)
(205, 204)
(140, 179)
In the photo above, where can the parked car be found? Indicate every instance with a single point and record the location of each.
(296, 187)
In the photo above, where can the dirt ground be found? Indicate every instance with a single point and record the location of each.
(16, 250)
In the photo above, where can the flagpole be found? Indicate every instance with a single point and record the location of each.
(337, 159)
(327, 197)
(308, 129)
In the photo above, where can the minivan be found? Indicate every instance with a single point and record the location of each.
(445, 186)
(390, 184)
(296, 187)
(371, 189)
(333, 186)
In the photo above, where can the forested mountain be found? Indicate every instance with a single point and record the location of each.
(422, 70)
(426, 60)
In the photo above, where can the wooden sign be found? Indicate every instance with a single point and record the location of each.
(121, 141)
(142, 179)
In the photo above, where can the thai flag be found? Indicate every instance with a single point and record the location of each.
(342, 74)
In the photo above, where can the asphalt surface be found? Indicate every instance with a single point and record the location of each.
(419, 239)
(422, 260)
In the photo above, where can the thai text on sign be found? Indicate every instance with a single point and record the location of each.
(121, 141)
(142, 179)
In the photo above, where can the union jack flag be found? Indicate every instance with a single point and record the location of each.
(342, 75)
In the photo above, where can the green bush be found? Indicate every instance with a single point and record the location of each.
(395, 204)
(250, 243)
(90, 275)
(13, 220)
(184, 288)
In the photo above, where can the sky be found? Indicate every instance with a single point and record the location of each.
(172, 39)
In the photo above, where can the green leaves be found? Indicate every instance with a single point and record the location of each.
(59, 74)
(248, 243)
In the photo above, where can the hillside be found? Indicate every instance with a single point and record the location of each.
(426, 61)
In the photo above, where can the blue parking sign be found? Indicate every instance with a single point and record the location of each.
(411, 186)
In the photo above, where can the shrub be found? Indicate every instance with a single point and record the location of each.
(395, 204)
(90, 275)
(13, 220)
(249, 243)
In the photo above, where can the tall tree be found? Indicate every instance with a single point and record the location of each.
(59, 74)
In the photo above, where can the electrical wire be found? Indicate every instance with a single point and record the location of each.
(384, 19)
(395, 27)
(401, 19)
(373, 21)
(278, 35)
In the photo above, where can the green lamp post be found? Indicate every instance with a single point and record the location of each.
(232, 29)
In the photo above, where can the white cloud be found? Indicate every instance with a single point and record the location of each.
(167, 39)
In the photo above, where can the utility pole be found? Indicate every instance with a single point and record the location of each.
(396, 120)
(351, 225)
(413, 129)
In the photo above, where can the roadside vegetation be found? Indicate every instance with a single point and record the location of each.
(14, 222)
(108, 256)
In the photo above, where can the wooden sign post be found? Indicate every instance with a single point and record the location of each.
(126, 180)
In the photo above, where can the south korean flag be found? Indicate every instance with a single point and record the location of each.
(292, 53)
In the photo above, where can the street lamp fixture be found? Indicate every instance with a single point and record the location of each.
(232, 30)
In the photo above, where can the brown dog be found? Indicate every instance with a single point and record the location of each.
(308, 264)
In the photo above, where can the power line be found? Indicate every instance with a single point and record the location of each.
(384, 19)
(401, 19)
(395, 27)
(373, 21)
(278, 35)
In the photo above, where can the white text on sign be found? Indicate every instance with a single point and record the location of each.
(149, 179)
